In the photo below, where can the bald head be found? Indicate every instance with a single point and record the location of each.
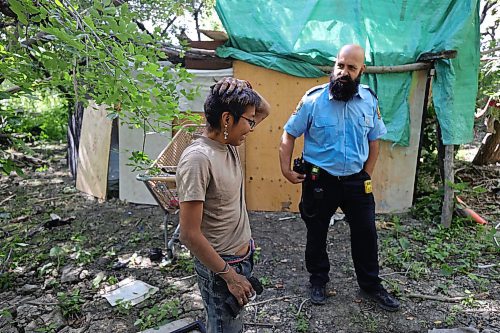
(353, 50)
(350, 61)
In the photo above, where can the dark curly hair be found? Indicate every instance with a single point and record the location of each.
(235, 103)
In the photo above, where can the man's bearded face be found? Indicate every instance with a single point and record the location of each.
(344, 87)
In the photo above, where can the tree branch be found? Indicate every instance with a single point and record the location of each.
(16, 89)
(446, 299)
(12, 90)
(5, 9)
(39, 37)
(487, 6)
(143, 27)
(490, 50)
(169, 24)
(418, 66)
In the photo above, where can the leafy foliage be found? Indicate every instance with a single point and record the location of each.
(99, 52)
(70, 304)
(452, 251)
(489, 74)
(158, 314)
(42, 116)
(92, 50)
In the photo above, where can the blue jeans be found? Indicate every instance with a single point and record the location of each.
(214, 292)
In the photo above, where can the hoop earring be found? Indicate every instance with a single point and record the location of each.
(225, 132)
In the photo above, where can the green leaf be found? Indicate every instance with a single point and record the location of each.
(64, 37)
(18, 8)
(131, 48)
(446, 270)
(55, 251)
(405, 244)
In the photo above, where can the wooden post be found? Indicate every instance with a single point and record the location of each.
(447, 211)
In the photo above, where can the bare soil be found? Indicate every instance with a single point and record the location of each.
(96, 236)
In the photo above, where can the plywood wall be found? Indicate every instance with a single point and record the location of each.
(394, 175)
(268, 190)
(93, 152)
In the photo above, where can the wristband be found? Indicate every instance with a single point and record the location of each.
(225, 270)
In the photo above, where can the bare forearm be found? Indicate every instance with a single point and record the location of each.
(201, 249)
(263, 110)
(190, 219)
(285, 151)
(372, 157)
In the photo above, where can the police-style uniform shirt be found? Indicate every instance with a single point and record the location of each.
(337, 133)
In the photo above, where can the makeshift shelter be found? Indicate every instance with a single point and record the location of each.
(288, 41)
(104, 146)
(285, 48)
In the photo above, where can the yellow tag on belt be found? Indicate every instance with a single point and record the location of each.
(368, 186)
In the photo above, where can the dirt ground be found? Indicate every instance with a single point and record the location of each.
(94, 237)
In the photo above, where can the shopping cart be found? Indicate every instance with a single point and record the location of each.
(162, 185)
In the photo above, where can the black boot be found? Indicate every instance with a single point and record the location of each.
(385, 300)
(318, 294)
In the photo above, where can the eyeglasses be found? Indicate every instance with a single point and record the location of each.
(250, 121)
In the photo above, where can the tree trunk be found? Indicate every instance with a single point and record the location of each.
(74, 131)
(449, 179)
(440, 151)
(489, 152)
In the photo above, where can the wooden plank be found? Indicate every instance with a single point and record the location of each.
(93, 153)
(172, 326)
(268, 190)
(394, 175)
(447, 210)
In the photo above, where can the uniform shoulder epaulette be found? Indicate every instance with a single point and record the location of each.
(316, 88)
(370, 90)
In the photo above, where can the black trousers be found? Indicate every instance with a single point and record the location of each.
(320, 200)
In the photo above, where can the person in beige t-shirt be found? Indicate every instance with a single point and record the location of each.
(213, 219)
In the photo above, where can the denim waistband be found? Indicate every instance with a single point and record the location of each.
(233, 259)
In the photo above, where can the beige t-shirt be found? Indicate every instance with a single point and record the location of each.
(210, 171)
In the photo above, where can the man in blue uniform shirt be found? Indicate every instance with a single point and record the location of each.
(341, 125)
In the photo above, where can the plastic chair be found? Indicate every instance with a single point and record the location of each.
(163, 187)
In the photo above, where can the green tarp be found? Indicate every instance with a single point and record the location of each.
(296, 36)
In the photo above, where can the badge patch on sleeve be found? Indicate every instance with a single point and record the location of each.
(378, 113)
(297, 109)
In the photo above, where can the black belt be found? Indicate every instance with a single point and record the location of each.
(324, 173)
(354, 176)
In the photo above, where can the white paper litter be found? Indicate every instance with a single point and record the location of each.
(129, 291)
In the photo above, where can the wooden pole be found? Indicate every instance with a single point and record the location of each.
(418, 66)
(447, 211)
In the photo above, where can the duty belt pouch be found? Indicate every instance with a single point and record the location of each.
(312, 198)
(318, 193)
